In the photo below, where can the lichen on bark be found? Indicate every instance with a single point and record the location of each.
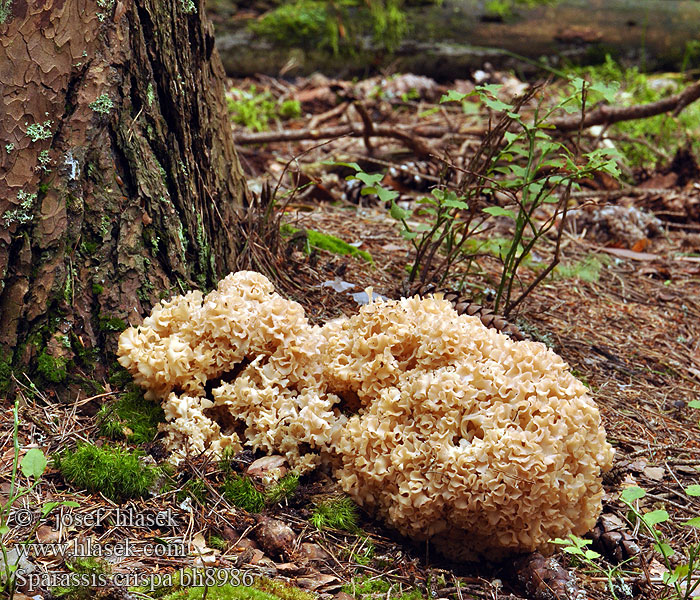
(137, 192)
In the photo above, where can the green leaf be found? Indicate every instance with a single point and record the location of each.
(71, 503)
(693, 490)
(4, 529)
(455, 203)
(386, 195)
(591, 554)
(352, 165)
(654, 517)
(48, 507)
(470, 108)
(369, 179)
(491, 88)
(33, 463)
(409, 235)
(497, 211)
(631, 494)
(607, 90)
(453, 96)
(398, 213)
(664, 549)
(669, 578)
(495, 104)
(694, 522)
(694, 404)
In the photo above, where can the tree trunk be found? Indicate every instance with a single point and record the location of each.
(119, 181)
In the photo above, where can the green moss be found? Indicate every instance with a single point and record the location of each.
(281, 590)
(97, 289)
(5, 370)
(115, 472)
(131, 417)
(88, 248)
(260, 588)
(241, 492)
(51, 368)
(97, 570)
(220, 592)
(217, 543)
(336, 513)
(366, 587)
(284, 488)
(334, 26)
(195, 489)
(587, 269)
(324, 241)
(107, 324)
(119, 376)
(256, 109)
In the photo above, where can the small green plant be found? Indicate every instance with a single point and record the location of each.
(45, 161)
(643, 142)
(39, 131)
(256, 109)
(9, 148)
(519, 160)
(363, 552)
(284, 488)
(683, 578)
(217, 542)
(106, 7)
(32, 466)
(5, 10)
(131, 417)
(115, 472)
(336, 513)
(577, 548)
(102, 105)
(241, 491)
(188, 7)
(195, 489)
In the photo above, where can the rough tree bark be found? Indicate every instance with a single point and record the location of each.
(119, 181)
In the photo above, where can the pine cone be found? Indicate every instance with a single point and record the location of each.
(544, 578)
(420, 175)
(463, 306)
(612, 541)
(352, 193)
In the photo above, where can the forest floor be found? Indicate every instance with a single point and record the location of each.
(622, 308)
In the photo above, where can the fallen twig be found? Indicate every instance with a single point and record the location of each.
(411, 138)
(607, 115)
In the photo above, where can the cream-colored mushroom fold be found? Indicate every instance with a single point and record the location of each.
(277, 402)
(484, 445)
(454, 432)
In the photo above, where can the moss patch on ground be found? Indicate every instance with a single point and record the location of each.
(115, 472)
(131, 417)
(324, 241)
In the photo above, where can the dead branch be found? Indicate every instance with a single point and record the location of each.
(411, 138)
(607, 115)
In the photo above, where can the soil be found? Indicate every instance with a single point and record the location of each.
(628, 326)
